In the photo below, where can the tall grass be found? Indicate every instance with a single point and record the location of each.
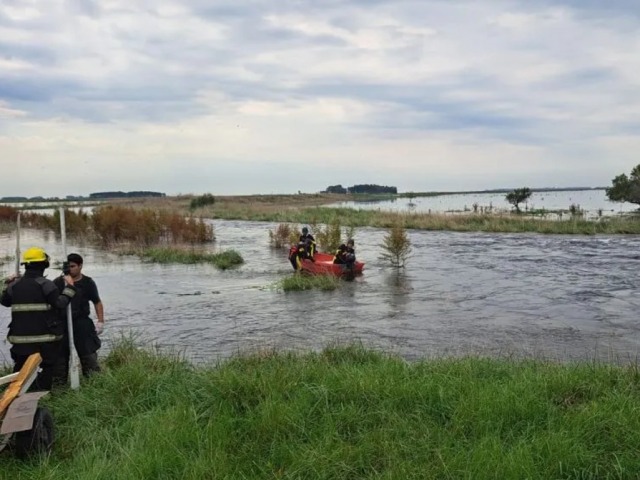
(114, 224)
(345, 412)
(300, 282)
(8, 214)
(283, 236)
(175, 254)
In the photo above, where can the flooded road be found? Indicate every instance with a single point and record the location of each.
(559, 297)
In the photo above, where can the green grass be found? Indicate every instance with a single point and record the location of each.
(222, 260)
(343, 413)
(299, 282)
(510, 223)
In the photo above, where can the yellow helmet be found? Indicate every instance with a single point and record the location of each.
(34, 254)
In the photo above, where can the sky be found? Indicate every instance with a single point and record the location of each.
(232, 97)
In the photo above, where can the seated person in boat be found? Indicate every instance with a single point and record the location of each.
(346, 254)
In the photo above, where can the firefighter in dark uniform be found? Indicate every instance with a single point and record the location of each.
(35, 322)
(346, 254)
(309, 243)
(306, 248)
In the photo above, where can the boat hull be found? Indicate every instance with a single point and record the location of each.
(323, 265)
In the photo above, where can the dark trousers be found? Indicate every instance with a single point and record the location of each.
(88, 362)
(50, 353)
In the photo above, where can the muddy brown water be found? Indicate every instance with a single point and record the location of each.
(558, 297)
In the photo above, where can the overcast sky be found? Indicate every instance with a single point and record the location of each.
(260, 96)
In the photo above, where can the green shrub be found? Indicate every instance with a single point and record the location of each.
(396, 246)
(202, 201)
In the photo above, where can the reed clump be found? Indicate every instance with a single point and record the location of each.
(186, 255)
(115, 224)
(300, 282)
(342, 412)
(283, 236)
(8, 214)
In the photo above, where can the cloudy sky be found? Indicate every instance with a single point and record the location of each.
(260, 96)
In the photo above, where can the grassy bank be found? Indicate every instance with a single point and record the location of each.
(424, 221)
(312, 209)
(343, 413)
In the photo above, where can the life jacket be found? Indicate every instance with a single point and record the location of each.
(33, 319)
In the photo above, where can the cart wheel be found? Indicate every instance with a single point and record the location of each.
(39, 439)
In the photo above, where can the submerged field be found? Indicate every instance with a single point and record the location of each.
(312, 209)
(346, 412)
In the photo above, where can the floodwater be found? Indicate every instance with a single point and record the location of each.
(558, 297)
(593, 203)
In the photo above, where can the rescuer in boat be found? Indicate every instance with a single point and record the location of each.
(306, 248)
(346, 254)
(35, 322)
(309, 243)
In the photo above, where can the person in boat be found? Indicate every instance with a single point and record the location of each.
(35, 321)
(296, 255)
(306, 248)
(85, 332)
(309, 243)
(346, 254)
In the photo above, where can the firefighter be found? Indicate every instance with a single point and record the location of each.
(309, 243)
(35, 321)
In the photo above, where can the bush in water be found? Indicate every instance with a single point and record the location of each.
(396, 246)
(282, 236)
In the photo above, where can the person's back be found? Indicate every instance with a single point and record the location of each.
(35, 325)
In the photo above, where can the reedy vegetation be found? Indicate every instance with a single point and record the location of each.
(187, 255)
(345, 412)
(299, 282)
(279, 209)
(396, 246)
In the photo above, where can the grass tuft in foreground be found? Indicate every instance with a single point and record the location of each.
(346, 412)
(222, 260)
(299, 282)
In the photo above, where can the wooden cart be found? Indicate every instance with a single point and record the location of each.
(24, 426)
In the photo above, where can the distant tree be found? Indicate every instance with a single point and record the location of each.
(517, 196)
(626, 189)
(336, 189)
(375, 189)
(396, 246)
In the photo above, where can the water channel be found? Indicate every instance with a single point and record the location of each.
(550, 296)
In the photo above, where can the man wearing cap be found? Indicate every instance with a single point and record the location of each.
(35, 323)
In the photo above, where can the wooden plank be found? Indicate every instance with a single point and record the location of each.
(13, 390)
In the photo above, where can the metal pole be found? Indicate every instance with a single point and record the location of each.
(74, 370)
(18, 247)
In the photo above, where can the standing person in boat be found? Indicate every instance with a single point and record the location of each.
(306, 248)
(309, 243)
(35, 325)
(85, 332)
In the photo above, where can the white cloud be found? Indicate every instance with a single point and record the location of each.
(277, 96)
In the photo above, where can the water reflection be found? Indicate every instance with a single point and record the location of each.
(563, 297)
(593, 203)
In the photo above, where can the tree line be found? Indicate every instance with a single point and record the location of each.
(364, 188)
